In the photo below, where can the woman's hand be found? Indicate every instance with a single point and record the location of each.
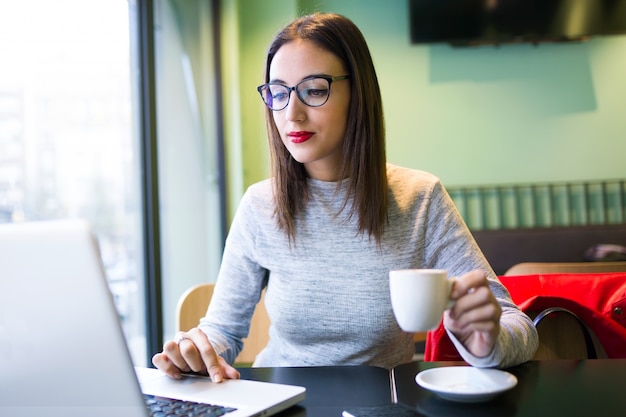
(192, 352)
(475, 317)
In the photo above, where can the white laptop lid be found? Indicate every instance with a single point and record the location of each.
(62, 350)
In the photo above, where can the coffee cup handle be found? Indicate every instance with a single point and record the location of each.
(450, 285)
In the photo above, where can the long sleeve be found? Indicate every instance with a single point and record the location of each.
(239, 285)
(452, 247)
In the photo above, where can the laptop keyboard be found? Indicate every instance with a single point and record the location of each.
(166, 407)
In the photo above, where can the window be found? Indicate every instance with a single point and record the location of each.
(72, 109)
(68, 133)
(190, 161)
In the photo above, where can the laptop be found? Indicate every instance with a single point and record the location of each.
(62, 350)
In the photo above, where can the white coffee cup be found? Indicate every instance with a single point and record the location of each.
(419, 297)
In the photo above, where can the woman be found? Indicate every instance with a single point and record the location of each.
(323, 233)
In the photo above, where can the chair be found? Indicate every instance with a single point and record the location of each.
(193, 304)
(575, 313)
(528, 268)
(564, 335)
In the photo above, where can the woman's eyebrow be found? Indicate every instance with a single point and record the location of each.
(279, 81)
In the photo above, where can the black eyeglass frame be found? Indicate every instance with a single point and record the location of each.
(329, 78)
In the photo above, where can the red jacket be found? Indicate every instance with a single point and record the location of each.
(599, 299)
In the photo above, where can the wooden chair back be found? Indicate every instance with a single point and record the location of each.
(528, 268)
(563, 335)
(193, 305)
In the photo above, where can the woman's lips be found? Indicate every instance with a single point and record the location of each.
(299, 137)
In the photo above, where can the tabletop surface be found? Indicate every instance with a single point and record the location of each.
(560, 388)
(329, 389)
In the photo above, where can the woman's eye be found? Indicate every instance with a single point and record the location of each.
(316, 92)
(279, 96)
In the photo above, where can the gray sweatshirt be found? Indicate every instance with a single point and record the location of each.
(328, 295)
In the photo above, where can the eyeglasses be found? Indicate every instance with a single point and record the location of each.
(312, 91)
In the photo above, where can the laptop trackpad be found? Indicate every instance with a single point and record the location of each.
(231, 392)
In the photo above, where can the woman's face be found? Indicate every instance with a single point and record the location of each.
(313, 135)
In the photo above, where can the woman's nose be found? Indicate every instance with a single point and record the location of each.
(296, 109)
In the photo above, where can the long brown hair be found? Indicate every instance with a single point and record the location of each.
(364, 159)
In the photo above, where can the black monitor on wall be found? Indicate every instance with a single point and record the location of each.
(475, 22)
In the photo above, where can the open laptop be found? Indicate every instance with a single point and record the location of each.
(62, 350)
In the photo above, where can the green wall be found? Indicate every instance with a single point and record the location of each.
(472, 116)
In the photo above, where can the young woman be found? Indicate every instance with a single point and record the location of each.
(323, 233)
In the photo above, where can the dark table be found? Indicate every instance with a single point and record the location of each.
(329, 389)
(560, 388)
(563, 388)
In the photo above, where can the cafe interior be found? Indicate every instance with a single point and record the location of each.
(525, 130)
(521, 116)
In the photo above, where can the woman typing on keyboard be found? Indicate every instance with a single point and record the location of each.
(322, 234)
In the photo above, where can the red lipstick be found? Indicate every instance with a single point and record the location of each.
(299, 137)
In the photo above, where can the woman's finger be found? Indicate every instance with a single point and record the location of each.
(203, 357)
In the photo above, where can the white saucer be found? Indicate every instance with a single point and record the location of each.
(466, 383)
